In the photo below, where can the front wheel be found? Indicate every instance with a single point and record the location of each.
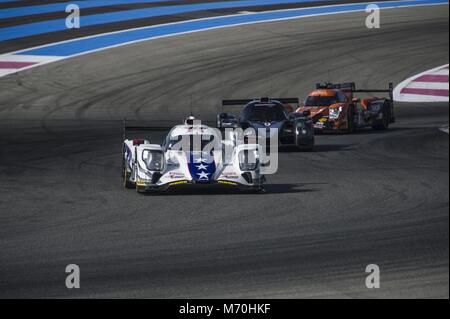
(350, 120)
(126, 180)
(304, 143)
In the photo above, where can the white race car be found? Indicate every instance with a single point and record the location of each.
(192, 154)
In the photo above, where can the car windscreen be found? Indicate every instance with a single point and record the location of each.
(321, 100)
(264, 113)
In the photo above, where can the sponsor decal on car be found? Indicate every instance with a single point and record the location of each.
(231, 175)
(178, 183)
(176, 175)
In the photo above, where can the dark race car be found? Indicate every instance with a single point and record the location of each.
(293, 128)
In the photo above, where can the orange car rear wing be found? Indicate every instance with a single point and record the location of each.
(351, 87)
(390, 90)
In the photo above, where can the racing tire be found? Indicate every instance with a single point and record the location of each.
(303, 148)
(384, 124)
(126, 182)
(350, 121)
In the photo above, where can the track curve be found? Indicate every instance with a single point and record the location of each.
(371, 197)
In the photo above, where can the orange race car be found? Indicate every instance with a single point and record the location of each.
(334, 108)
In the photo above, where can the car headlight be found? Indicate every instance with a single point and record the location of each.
(335, 113)
(154, 160)
(248, 160)
(300, 127)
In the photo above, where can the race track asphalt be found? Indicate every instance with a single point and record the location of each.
(367, 198)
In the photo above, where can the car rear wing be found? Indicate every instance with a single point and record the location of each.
(351, 87)
(389, 90)
(244, 102)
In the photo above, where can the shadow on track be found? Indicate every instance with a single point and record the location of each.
(269, 189)
(323, 148)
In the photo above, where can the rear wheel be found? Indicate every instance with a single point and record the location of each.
(303, 143)
(384, 123)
